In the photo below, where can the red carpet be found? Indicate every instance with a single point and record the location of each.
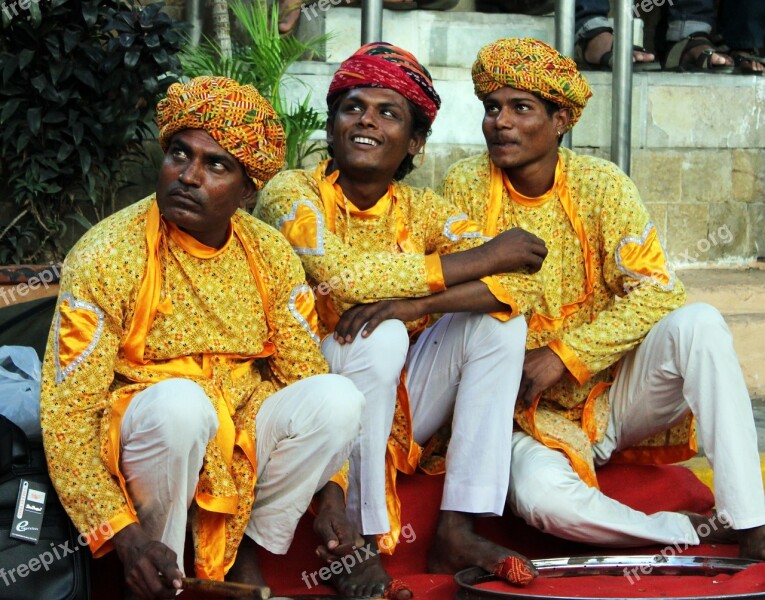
(647, 488)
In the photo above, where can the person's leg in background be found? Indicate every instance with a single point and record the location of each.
(689, 42)
(742, 25)
(595, 37)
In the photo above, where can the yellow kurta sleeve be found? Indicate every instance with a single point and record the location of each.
(78, 370)
(635, 269)
(292, 314)
(290, 202)
(467, 193)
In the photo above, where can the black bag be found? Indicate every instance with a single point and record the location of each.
(67, 561)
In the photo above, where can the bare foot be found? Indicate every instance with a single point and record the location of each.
(456, 546)
(364, 576)
(354, 560)
(246, 568)
(751, 543)
(712, 529)
(604, 42)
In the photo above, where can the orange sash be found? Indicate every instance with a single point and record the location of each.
(212, 539)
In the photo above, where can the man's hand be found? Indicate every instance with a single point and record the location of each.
(516, 250)
(151, 568)
(542, 369)
(338, 535)
(353, 320)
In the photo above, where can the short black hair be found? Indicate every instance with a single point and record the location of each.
(551, 108)
(420, 126)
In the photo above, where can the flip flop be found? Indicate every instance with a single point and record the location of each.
(743, 56)
(702, 63)
(606, 62)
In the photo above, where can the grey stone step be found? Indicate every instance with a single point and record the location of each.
(436, 38)
(669, 110)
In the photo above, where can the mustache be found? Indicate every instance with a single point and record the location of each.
(504, 140)
(179, 189)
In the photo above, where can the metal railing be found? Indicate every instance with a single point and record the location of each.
(621, 85)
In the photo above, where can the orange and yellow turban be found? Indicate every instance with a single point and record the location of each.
(236, 116)
(383, 65)
(533, 66)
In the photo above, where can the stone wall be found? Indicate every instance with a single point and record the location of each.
(708, 204)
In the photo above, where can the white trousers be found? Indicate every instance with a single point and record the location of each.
(464, 370)
(686, 363)
(304, 435)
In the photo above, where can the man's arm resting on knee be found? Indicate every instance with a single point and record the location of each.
(474, 296)
(151, 568)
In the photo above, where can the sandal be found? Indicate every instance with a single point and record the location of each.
(740, 57)
(606, 61)
(702, 63)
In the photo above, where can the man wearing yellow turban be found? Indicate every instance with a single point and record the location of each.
(183, 328)
(364, 238)
(616, 366)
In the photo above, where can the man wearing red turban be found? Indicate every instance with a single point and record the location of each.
(366, 238)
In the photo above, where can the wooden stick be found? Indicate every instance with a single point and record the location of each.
(227, 588)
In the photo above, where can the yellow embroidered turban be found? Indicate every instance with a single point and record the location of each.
(236, 116)
(533, 66)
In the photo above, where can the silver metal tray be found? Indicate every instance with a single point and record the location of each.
(608, 565)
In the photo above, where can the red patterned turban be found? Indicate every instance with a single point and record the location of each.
(533, 66)
(383, 65)
(236, 116)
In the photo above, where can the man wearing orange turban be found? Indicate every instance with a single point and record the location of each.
(366, 238)
(616, 366)
(183, 328)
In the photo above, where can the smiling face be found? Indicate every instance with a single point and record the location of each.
(200, 186)
(372, 133)
(519, 131)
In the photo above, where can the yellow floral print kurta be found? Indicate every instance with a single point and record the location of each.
(605, 282)
(140, 302)
(354, 256)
